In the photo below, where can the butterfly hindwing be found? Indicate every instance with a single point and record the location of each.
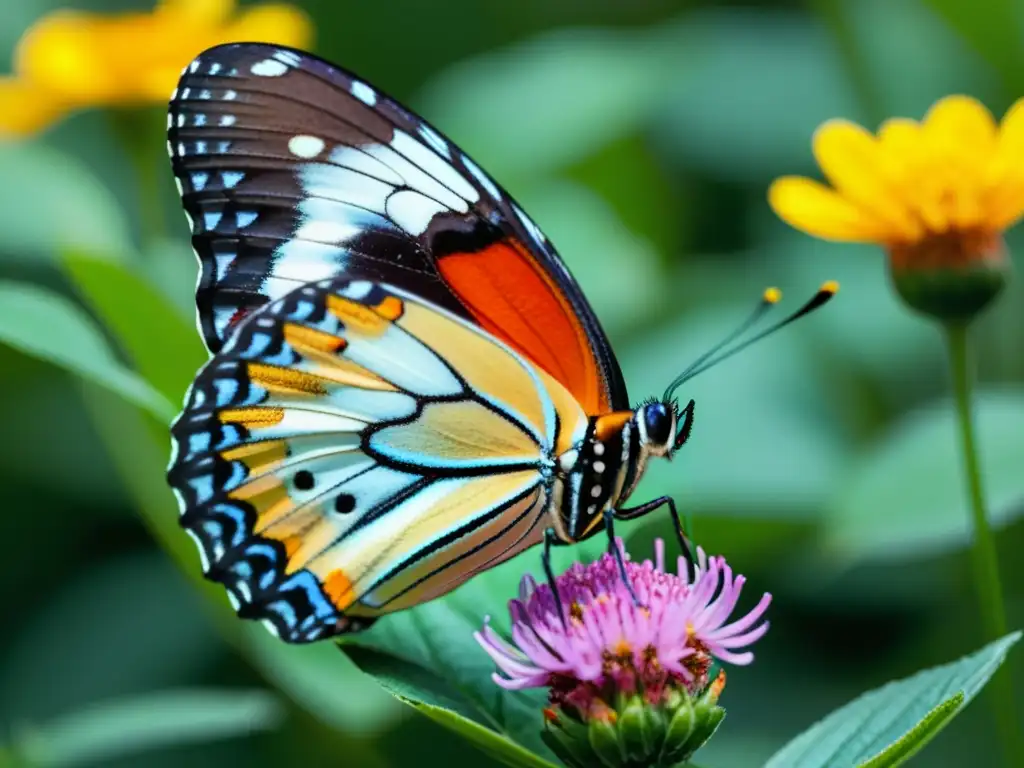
(293, 170)
(354, 449)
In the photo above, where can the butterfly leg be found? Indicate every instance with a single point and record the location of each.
(684, 541)
(550, 539)
(616, 552)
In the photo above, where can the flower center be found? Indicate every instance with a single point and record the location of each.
(949, 250)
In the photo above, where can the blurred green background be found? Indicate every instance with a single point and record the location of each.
(641, 135)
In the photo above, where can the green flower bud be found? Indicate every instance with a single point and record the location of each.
(637, 733)
(604, 738)
(950, 277)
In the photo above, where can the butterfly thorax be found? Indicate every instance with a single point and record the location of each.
(604, 469)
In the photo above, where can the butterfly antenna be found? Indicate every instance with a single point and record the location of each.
(769, 298)
(712, 357)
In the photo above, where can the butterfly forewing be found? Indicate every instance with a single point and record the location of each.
(353, 450)
(292, 170)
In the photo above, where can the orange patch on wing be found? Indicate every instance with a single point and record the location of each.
(358, 316)
(268, 498)
(512, 297)
(391, 308)
(291, 545)
(302, 338)
(258, 457)
(286, 381)
(339, 589)
(252, 417)
(610, 424)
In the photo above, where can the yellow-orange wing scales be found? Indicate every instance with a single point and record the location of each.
(354, 450)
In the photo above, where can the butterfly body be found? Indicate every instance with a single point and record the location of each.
(406, 385)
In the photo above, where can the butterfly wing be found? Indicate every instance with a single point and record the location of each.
(292, 170)
(353, 450)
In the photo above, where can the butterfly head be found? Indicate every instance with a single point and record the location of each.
(662, 427)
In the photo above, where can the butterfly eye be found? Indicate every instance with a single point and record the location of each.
(657, 423)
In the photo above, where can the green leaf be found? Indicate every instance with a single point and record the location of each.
(429, 696)
(45, 325)
(52, 201)
(906, 747)
(886, 726)
(906, 496)
(993, 28)
(145, 723)
(163, 345)
(551, 101)
(428, 655)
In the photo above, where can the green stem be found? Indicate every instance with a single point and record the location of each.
(984, 555)
(140, 135)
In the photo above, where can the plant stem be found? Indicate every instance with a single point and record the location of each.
(984, 555)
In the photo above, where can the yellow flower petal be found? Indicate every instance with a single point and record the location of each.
(852, 160)
(1006, 174)
(911, 161)
(26, 109)
(84, 59)
(817, 210)
(60, 54)
(964, 125)
(280, 24)
(202, 13)
(962, 139)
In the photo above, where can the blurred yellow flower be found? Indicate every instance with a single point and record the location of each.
(954, 172)
(937, 195)
(72, 60)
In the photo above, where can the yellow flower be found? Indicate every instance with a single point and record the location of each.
(937, 194)
(73, 60)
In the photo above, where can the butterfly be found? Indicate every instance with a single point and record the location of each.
(406, 385)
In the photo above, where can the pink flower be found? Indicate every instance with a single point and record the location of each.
(608, 645)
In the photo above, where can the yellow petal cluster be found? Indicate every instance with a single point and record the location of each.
(955, 173)
(73, 60)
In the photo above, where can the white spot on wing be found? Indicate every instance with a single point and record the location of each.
(288, 57)
(344, 186)
(245, 218)
(357, 289)
(358, 160)
(412, 211)
(227, 120)
(437, 167)
(364, 93)
(211, 219)
(308, 260)
(269, 68)
(434, 139)
(305, 146)
(230, 179)
(327, 231)
(527, 222)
